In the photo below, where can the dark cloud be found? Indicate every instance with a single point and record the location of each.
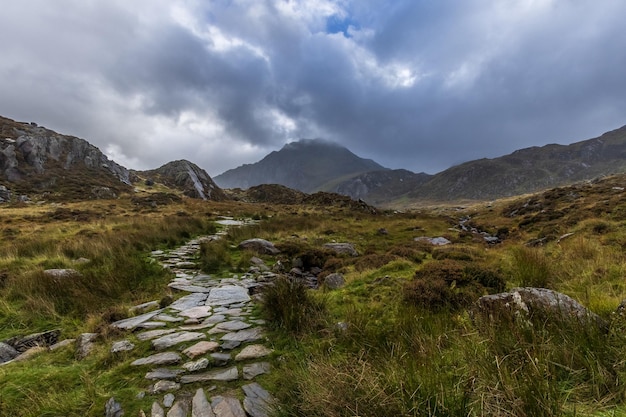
(413, 84)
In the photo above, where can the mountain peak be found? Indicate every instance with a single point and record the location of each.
(307, 165)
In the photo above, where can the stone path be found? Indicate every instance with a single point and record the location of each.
(206, 342)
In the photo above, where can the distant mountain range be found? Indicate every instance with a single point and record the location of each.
(37, 162)
(314, 165)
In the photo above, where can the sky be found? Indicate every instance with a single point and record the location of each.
(415, 84)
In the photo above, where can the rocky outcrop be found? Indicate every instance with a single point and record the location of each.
(535, 303)
(37, 160)
(188, 177)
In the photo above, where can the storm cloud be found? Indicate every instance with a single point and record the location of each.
(415, 84)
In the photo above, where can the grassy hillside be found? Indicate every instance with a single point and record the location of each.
(398, 339)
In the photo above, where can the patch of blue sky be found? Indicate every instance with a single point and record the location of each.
(341, 24)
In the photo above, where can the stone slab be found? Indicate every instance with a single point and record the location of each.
(224, 375)
(174, 339)
(228, 294)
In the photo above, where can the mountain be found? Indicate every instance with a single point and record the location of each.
(528, 170)
(38, 161)
(192, 180)
(307, 165)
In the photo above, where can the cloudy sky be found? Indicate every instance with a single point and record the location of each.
(415, 84)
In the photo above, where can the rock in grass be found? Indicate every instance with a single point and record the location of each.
(113, 409)
(334, 281)
(164, 386)
(230, 374)
(227, 406)
(85, 344)
(342, 248)
(157, 410)
(253, 352)
(200, 406)
(255, 369)
(258, 402)
(530, 302)
(7, 352)
(122, 346)
(260, 246)
(200, 348)
(174, 339)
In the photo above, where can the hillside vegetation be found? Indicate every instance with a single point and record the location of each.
(401, 337)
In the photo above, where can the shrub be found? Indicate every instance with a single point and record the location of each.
(531, 268)
(288, 305)
(214, 256)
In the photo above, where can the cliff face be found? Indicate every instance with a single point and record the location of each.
(188, 177)
(35, 160)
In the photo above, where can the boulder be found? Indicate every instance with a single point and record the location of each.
(334, 281)
(530, 302)
(85, 344)
(435, 241)
(342, 248)
(23, 343)
(7, 352)
(260, 246)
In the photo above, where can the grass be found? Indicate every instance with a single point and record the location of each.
(381, 345)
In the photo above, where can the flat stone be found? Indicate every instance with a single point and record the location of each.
(179, 409)
(196, 365)
(227, 407)
(233, 325)
(258, 402)
(7, 352)
(199, 312)
(122, 346)
(62, 344)
(153, 334)
(435, 241)
(150, 305)
(244, 336)
(164, 358)
(200, 406)
(168, 400)
(253, 352)
(228, 294)
(233, 312)
(131, 323)
(224, 375)
(220, 359)
(174, 339)
(85, 344)
(185, 265)
(256, 369)
(261, 246)
(189, 301)
(163, 373)
(216, 318)
(164, 386)
(157, 410)
(200, 348)
(167, 318)
(199, 326)
(230, 345)
(342, 248)
(188, 288)
(147, 325)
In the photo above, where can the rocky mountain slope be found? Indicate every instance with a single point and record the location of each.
(183, 175)
(380, 187)
(528, 170)
(307, 165)
(38, 161)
